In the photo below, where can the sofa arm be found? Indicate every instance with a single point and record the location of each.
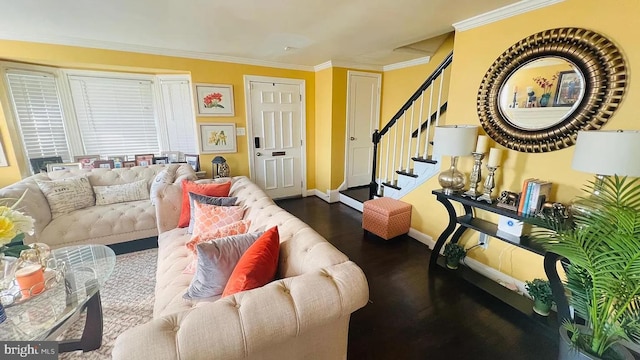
(33, 204)
(263, 323)
(166, 194)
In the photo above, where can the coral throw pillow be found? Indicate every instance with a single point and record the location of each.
(215, 189)
(257, 266)
(204, 233)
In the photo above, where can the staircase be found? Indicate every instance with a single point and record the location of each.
(403, 155)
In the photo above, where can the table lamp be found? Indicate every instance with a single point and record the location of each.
(605, 153)
(455, 141)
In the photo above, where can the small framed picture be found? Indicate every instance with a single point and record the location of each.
(65, 166)
(214, 99)
(86, 160)
(218, 138)
(128, 164)
(193, 160)
(172, 156)
(161, 160)
(144, 160)
(117, 160)
(40, 164)
(103, 164)
(569, 88)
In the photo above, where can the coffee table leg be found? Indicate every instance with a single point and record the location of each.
(92, 334)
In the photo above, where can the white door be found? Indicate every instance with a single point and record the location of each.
(363, 116)
(276, 143)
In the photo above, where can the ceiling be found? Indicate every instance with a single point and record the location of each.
(293, 32)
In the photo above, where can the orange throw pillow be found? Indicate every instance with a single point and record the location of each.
(257, 266)
(215, 189)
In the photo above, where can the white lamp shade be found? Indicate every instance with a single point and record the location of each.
(608, 153)
(455, 140)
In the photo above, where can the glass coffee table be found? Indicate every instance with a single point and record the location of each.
(44, 316)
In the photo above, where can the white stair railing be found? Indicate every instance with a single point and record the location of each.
(419, 124)
(404, 123)
(408, 169)
(428, 130)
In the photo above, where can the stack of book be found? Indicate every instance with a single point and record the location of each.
(535, 192)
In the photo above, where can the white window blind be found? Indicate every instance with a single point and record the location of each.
(178, 115)
(115, 115)
(37, 106)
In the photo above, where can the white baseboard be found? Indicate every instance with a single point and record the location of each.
(481, 268)
(330, 196)
(354, 204)
(334, 196)
(311, 192)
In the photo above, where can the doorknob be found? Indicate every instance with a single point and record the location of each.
(352, 138)
(258, 154)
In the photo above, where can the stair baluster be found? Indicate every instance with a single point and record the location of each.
(427, 132)
(420, 124)
(395, 149)
(408, 169)
(404, 123)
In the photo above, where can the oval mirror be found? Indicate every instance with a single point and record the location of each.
(541, 91)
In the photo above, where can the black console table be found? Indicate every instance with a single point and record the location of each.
(457, 226)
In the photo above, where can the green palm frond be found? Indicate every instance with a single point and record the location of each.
(603, 248)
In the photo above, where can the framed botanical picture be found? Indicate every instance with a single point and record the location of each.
(569, 88)
(218, 138)
(193, 160)
(40, 164)
(161, 160)
(86, 160)
(65, 166)
(103, 164)
(172, 156)
(214, 99)
(117, 160)
(144, 160)
(128, 164)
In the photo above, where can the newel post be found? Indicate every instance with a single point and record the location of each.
(373, 186)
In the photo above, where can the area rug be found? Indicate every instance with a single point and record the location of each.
(127, 301)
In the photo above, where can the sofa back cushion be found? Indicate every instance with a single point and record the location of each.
(67, 195)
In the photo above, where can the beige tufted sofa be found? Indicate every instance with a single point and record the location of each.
(105, 224)
(302, 315)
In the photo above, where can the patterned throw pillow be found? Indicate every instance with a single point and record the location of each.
(68, 194)
(209, 189)
(210, 200)
(113, 194)
(216, 261)
(205, 234)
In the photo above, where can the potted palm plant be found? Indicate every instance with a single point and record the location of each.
(453, 253)
(602, 247)
(540, 291)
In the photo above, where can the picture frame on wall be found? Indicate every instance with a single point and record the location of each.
(193, 160)
(218, 138)
(214, 100)
(103, 164)
(86, 160)
(63, 166)
(144, 160)
(570, 86)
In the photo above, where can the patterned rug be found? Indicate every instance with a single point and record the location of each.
(127, 301)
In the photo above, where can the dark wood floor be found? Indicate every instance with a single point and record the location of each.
(414, 314)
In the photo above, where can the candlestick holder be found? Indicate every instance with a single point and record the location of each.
(475, 177)
(489, 184)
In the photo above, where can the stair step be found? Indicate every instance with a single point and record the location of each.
(427, 160)
(391, 186)
(400, 172)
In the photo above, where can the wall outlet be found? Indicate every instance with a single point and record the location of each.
(483, 241)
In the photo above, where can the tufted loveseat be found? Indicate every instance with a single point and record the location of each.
(100, 224)
(303, 314)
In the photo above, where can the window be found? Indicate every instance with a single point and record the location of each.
(36, 103)
(115, 116)
(67, 113)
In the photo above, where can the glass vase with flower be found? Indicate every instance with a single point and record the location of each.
(546, 85)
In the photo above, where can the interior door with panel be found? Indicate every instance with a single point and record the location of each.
(277, 138)
(363, 116)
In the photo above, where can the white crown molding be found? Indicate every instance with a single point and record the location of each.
(406, 64)
(347, 64)
(109, 45)
(503, 13)
(324, 65)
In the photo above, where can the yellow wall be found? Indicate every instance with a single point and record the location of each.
(201, 71)
(339, 126)
(474, 52)
(323, 87)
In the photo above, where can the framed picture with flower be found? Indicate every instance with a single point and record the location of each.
(214, 99)
(218, 138)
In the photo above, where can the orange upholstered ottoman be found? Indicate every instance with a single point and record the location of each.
(386, 217)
